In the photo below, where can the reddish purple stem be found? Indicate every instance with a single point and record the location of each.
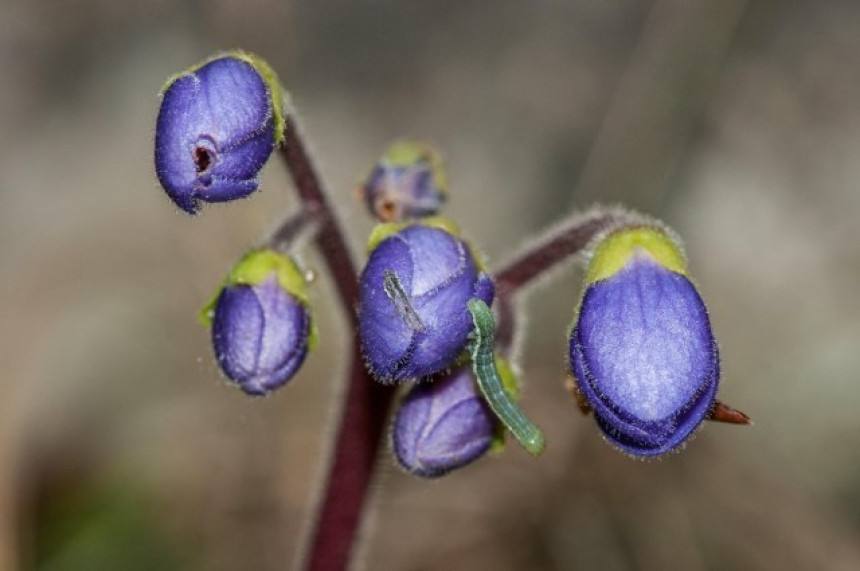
(558, 245)
(305, 221)
(362, 418)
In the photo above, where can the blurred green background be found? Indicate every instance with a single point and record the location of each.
(738, 122)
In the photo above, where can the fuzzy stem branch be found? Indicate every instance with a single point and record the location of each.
(306, 221)
(558, 245)
(330, 238)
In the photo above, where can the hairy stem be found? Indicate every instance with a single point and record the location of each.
(558, 245)
(362, 421)
(542, 255)
(330, 238)
(362, 415)
(305, 221)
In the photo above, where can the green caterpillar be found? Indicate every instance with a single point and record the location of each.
(484, 365)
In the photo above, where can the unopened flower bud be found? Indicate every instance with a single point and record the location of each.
(216, 128)
(261, 322)
(442, 425)
(641, 349)
(408, 182)
(413, 319)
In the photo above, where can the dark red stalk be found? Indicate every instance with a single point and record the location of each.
(555, 247)
(330, 238)
(306, 221)
(365, 406)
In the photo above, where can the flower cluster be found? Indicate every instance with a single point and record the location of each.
(641, 351)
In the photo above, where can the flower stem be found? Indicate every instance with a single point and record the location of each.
(330, 238)
(363, 413)
(306, 221)
(558, 245)
(362, 420)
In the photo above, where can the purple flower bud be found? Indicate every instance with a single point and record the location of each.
(413, 318)
(442, 425)
(217, 126)
(261, 324)
(408, 182)
(642, 351)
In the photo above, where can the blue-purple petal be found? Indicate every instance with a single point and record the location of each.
(215, 131)
(260, 335)
(438, 275)
(644, 356)
(442, 425)
(386, 338)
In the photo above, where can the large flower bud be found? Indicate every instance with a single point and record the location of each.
(216, 128)
(413, 318)
(442, 425)
(641, 349)
(261, 322)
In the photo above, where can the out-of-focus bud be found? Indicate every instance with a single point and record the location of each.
(261, 322)
(216, 128)
(413, 319)
(641, 349)
(408, 182)
(442, 425)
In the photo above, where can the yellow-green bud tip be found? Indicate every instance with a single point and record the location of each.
(382, 231)
(407, 153)
(613, 253)
(253, 269)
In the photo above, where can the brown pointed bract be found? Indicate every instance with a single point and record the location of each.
(724, 413)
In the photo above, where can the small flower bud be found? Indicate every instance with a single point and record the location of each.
(261, 322)
(408, 182)
(413, 319)
(442, 425)
(216, 128)
(641, 350)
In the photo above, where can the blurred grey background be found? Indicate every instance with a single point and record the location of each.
(738, 122)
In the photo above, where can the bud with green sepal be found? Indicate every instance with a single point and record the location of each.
(217, 126)
(641, 348)
(413, 319)
(445, 423)
(409, 181)
(262, 327)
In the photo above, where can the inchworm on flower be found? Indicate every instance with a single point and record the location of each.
(394, 291)
(490, 383)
